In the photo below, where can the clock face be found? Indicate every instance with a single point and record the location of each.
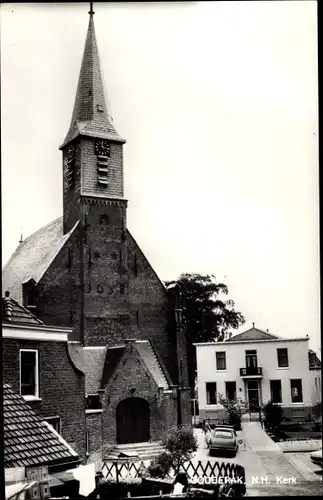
(102, 148)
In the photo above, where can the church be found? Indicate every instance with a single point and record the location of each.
(86, 272)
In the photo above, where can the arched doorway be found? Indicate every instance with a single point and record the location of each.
(133, 424)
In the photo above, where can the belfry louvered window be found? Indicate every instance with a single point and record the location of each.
(70, 167)
(102, 151)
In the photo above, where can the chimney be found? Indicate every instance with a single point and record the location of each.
(253, 325)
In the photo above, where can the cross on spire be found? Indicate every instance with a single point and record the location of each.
(91, 11)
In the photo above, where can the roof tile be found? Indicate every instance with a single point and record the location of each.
(30, 446)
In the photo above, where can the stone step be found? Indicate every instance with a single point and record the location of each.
(135, 446)
(144, 451)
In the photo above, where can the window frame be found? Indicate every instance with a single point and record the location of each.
(291, 390)
(98, 399)
(208, 393)
(235, 389)
(56, 418)
(251, 358)
(217, 359)
(287, 357)
(271, 391)
(36, 367)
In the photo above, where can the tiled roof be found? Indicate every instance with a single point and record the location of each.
(147, 354)
(33, 257)
(28, 441)
(12, 312)
(94, 359)
(253, 334)
(112, 358)
(90, 114)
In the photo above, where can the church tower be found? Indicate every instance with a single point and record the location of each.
(92, 149)
(93, 195)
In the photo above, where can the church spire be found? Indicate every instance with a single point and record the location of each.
(90, 114)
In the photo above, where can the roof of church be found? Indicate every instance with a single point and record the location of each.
(146, 352)
(33, 256)
(112, 358)
(90, 114)
(28, 440)
(253, 334)
(12, 312)
(99, 364)
(94, 360)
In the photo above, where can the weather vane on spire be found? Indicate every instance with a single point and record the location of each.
(91, 11)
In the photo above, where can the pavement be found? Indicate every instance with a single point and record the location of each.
(269, 471)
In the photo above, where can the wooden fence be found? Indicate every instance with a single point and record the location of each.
(118, 470)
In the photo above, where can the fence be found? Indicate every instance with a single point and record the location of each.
(118, 470)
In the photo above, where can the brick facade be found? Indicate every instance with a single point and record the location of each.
(61, 386)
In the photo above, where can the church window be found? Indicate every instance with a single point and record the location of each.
(93, 402)
(29, 373)
(70, 167)
(29, 294)
(122, 289)
(135, 265)
(100, 108)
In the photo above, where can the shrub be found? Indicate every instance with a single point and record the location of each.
(274, 414)
(160, 466)
(236, 408)
(181, 443)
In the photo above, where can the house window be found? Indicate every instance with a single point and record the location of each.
(29, 373)
(211, 396)
(282, 356)
(55, 422)
(221, 361)
(231, 391)
(251, 359)
(276, 391)
(296, 390)
(93, 402)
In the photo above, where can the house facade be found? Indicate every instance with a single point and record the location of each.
(85, 273)
(257, 367)
(38, 365)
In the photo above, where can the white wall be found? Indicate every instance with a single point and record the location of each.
(267, 359)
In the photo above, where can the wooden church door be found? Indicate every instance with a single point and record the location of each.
(133, 421)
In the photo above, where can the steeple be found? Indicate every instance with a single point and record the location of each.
(90, 114)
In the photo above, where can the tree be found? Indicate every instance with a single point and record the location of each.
(180, 443)
(235, 409)
(274, 414)
(207, 316)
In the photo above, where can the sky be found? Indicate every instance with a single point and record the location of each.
(218, 102)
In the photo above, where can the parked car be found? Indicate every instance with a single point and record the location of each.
(223, 439)
(316, 457)
(226, 426)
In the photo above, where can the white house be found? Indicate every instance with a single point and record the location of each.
(257, 366)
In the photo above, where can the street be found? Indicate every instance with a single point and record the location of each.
(270, 473)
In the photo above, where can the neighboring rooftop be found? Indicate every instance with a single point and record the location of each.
(28, 440)
(253, 334)
(14, 313)
(33, 256)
